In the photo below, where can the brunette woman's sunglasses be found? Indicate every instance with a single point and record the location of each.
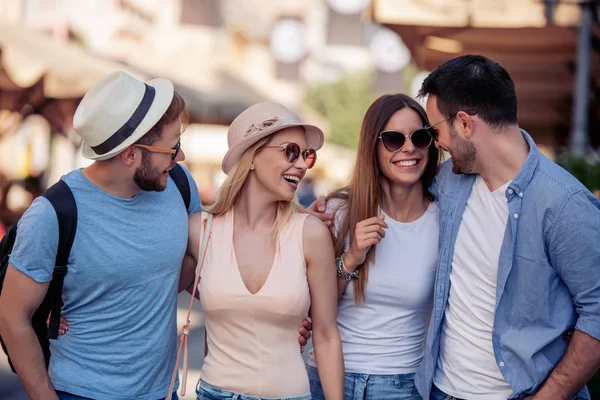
(394, 141)
(293, 151)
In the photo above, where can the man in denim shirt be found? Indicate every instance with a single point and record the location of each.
(519, 266)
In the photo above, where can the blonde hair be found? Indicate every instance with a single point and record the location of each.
(230, 191)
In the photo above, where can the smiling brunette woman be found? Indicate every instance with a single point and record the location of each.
(386, 228)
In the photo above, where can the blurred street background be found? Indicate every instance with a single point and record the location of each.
(325, 59)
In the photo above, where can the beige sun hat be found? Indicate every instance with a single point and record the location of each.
(259, 121)
(117, 111)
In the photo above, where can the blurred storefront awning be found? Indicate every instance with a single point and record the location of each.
(67, 70)
(535, 41)
(39, 75)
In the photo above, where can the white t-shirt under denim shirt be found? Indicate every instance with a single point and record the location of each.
(466, 365)
(384, 334)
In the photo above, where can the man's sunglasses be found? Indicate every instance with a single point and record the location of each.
(174, 151)
(394, 141)
(293, 151)
(431, 127)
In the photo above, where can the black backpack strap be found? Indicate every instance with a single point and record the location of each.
(181, 180)
(61, 198)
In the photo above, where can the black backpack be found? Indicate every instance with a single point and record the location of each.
(61, 198)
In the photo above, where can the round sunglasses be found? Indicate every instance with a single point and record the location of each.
(293, 151)
(394, 141)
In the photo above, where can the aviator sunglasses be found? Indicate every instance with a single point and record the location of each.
(394, 141)
(293, 151)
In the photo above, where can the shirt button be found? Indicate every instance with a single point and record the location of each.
(516, 215)
(520, 194)
(502, 363)
(510, 191)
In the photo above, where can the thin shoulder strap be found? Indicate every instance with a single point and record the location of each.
(183, 340)
(203, 245)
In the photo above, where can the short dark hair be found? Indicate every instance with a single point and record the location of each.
(473, 82)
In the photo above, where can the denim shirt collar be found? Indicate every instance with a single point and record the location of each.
(523, 178)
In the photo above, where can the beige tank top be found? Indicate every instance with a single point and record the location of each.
(253, 338)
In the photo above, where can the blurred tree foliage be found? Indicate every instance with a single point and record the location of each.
(344, 104)
(586, 169)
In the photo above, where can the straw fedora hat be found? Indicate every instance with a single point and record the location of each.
(259, 121)
(117, 111)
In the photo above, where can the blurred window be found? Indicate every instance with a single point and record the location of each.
(201, 12)
(345, 30)
(388, 82)
(287, 71)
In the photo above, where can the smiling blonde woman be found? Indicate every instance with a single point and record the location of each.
(267, 263)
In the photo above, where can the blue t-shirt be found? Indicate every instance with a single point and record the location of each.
(120, 290)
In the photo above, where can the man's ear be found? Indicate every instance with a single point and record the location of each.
(130, 155)
(464, 124)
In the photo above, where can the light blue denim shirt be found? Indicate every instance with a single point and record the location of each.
(548, 271)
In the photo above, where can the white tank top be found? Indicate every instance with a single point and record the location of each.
(384, 335)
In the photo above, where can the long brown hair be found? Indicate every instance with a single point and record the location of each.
(362, 196)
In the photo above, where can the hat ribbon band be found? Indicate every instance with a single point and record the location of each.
(130, 126)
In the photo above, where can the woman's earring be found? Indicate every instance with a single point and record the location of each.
(252, 166)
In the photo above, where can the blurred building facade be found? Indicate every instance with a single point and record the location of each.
(224, 55)
(551, 48)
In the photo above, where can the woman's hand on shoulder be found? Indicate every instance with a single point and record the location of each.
(318, 209)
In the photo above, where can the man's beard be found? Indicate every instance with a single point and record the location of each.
(147, 178)
(463, 154)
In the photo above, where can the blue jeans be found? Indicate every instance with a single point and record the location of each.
(209, 392)
(369, 387)
(437, 394)
(69, 396)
